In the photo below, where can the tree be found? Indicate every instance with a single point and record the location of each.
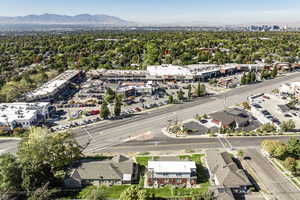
(10, 175)
(189, 91)
(134, 193)
(43, 155)
(290, 164)
(293, 147)
(118, 105)
(96, 194)
(246, 105)
(42, 193)
(253, 77)
(201, 90)
(275, 148)
(274, 72)
(286, 126)
(171, 99)
(180, 95)
(262, 74)
(243, 79)
(110, 95)
(104, 113)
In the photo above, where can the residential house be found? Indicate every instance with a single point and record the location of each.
(224, 172)
(116, 171)
(181, 173)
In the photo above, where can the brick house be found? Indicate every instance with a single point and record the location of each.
(180, 173)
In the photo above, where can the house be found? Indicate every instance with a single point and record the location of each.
(116, 171)
(230, 118)
(225, 173)
(181, 173)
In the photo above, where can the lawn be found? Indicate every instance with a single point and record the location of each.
(112, 192)
(194, 157)
(169, 192)
(143, 160)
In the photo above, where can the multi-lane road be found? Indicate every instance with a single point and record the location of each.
(115, 135)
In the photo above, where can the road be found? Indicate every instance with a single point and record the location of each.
(8, 146)
(104, 136)
(164, 144)
(271, 178)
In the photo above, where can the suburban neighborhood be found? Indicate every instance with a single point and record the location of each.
(149, 100)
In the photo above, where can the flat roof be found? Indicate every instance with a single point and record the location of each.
(10, 112)
(171, 166)
(168, 70)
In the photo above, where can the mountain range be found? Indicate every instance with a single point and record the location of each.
(53, 19)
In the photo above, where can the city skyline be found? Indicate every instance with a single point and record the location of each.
(175, 11)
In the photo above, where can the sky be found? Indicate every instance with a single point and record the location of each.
(165, 11)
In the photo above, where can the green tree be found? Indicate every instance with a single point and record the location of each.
(118, 105)
(243, 79)
(290, 164)
(275, 148)
(134, 193)
(180, 95)
(104, 113)
(42, 193)
(44, 155)
(253, 77)
(10, 175)
(263, 75)
(293, 147)
(274, 72)
(171, 99)
(189, 91)
(110, 95)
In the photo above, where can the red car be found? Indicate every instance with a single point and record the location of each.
(95, 112)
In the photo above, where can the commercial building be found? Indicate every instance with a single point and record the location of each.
(169, 73)
(290, 89)
(24, 115)
(161, 173)
(204, 72)
(117, 75)
(50, 89)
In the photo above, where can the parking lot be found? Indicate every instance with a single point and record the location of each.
(270, 108)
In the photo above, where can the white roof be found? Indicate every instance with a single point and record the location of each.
(168, 70)
(171, 166)
(10, 112)
(126, 177)
(52, 85)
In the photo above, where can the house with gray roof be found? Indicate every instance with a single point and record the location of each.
(116, 171)
(230, 118)
(224, 172)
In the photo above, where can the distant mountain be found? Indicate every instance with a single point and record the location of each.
(51, 19)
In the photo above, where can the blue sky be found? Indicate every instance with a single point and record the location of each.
(164, 11)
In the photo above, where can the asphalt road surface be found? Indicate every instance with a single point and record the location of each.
(103, 137)
(271, 178)
(108, 135)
